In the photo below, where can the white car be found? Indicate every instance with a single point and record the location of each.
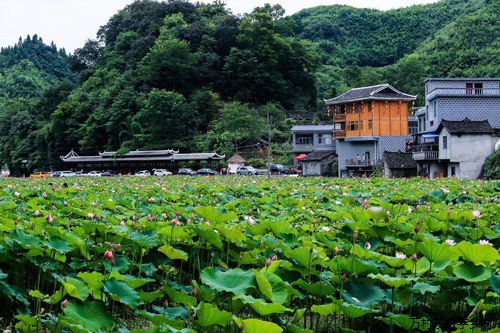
(143, 173)
(94, 174)
(162, 172)
(67, 174)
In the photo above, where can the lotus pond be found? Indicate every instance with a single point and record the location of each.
(237, 254)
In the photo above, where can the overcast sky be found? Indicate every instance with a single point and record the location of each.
(69, 23)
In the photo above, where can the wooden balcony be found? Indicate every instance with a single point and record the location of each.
(425, 155)
(339, 134)
(339, 117)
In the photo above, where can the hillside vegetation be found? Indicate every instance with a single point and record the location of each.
(198, 78)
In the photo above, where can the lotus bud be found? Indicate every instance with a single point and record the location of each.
(194, 292)
(64, 303)
(416, 229)
(368, 246)
(108, 255)
(336, 250)
(414, 257)
(178, 213)
(268, 262)
(274, 258)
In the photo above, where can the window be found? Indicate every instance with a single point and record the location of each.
(412, 127)
(304, 139)
(325, 139)
(352, 125)
(370, 123)
(453, 171)
(474, 88)
(445, 142)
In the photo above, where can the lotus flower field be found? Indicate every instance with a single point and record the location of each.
(247, 254)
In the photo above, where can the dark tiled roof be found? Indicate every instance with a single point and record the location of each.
(317, 156)
(466, 126)
(380, 92)
(399, 160)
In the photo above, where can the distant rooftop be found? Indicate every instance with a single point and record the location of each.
(466, 126)
(312, 128)
(377, 92)
(399, 160)
(462, 79)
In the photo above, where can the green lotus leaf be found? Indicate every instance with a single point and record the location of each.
(297, 329)
(150, 297)
(145, 239)
(59, 245)
(213, 216)
(319, 288)
(303, 255)
(173, 253)
(478, 254)
(236, 281)
(423, 288)
(406, 322)
(208, 235)
(172, 313)
(27, 241)
(162, 319)
(359, 266)
(75, 288)
(272, 287)
(353, 311)
(265, 309)
(121, 292)
(495, 283)
(472, 273)
(90, 315)
(364, 295)
(390, 281)
(209, 315)
(121, 264)
(326, 309)
(438, 252)
(257, 326)
(93, 279)
(13, 292)
(281, 227)
(375, 213)
(180, 297)
(233, 235)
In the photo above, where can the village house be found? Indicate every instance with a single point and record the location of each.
(463, 103)
(367, 122)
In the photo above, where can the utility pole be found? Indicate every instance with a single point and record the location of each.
(269, 134)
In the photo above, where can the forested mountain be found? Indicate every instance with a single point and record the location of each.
(196, 77)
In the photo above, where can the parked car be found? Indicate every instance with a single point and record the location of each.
(206, 172)
(279, 169)
(143, 173)
(108, 174)
(186, 172)
(40, 175)
(67, 174)
(94, 174)
(246, 170)
(162, 172)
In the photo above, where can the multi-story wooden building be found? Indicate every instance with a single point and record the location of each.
(367, 122)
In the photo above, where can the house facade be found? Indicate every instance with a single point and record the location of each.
(309, 138)
(463, 147)
(319, 164)
(367, 122)
(449, 99)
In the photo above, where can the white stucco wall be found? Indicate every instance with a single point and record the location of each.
(469, 151)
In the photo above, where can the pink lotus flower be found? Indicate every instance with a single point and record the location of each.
(150, 200)
(274, 258)
(414, 257)
(108, 255)
(44, 194)
(176, 222)
(37, 212)
(122, 223)
(365, 203)
(17, 194)
(476, 213)
(64, 303)
(150, 217)
(325, 228)
(268, 262)
(178, 213)
(450, 242)
(49, 218)
(91, 215)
